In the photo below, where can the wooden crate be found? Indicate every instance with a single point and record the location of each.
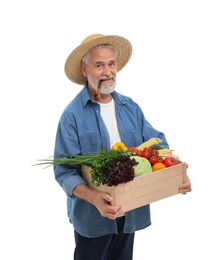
(144, 189)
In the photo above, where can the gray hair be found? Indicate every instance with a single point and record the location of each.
(86, 56)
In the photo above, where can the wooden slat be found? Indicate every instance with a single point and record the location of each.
(144, 189)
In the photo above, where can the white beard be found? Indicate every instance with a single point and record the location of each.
(105, 90)
(109, 89)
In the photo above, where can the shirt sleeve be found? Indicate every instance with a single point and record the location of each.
(68, 176)
(149, 132)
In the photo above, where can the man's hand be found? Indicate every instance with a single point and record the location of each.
(101, 200)
(185, 187)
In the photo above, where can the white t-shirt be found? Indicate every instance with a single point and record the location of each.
(109, 116)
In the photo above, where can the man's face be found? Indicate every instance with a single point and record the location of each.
(101, 66)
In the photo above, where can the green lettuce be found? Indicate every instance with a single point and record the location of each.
(143, 166)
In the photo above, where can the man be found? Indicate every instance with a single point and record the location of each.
(97, 118)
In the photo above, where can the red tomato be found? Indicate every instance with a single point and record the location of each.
(147, 149)
(155, 152)
(146, 153)
(132, 149)
(153, 159)
(170, 161)
(135, 150)
(139, 153)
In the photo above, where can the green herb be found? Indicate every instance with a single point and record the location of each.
(98, 162)
(69, 159)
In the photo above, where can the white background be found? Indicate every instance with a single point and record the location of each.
(174, 74)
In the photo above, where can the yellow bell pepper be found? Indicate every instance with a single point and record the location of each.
(119, 146)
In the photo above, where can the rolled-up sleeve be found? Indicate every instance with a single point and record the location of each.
(70, 183)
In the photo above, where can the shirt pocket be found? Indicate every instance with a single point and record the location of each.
(132, 137)
(90, 142)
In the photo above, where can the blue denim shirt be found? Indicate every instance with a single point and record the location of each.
(81, 130)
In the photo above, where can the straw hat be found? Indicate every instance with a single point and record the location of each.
(73, 63)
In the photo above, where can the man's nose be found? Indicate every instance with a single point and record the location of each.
(106, 71)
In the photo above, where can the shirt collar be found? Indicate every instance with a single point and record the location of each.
(85, 95)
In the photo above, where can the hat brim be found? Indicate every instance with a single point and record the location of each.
(73, 63)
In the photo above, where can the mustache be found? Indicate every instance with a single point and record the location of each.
(106, 78)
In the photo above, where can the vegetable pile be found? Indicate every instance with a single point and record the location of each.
(158, 156)
(120, 164)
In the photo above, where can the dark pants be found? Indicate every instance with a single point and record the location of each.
(109, 247)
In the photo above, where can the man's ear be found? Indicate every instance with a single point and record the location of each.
(83, 69)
